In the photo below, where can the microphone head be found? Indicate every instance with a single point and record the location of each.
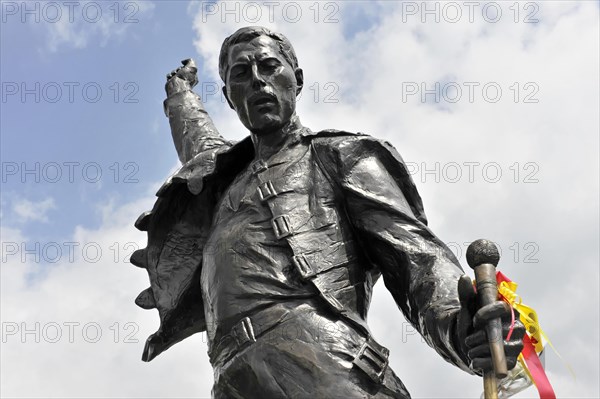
(482, 251)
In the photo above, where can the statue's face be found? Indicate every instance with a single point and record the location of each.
(261, 85)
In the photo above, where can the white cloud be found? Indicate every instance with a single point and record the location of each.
(32, 211)
(76, 24)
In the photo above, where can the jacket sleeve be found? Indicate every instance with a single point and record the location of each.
(192, 128)
(384, 207)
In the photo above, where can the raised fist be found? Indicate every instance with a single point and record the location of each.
(183, 78)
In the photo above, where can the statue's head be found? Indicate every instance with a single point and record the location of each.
(262, 78)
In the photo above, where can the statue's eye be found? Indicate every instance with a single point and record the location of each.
(269, 65)
(238, 71)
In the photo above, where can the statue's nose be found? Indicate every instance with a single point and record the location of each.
(257, 79)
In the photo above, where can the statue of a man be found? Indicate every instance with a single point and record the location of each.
(273, 244)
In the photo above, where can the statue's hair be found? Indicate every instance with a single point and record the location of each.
(246, 34)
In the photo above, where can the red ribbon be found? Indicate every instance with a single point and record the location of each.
(532, 360)
(537, 370)
(500, 277)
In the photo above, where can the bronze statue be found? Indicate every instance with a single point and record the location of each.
(272, 245)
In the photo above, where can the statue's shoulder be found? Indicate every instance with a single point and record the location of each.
(343, 145)
(334, 136)
(342, 154)
(343, 137)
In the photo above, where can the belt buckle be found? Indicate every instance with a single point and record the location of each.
(243, 333)
(281, 226)
(266, 191)
(302, 265)
(372, 359)
(259, 166)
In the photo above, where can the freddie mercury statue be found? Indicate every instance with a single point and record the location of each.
(272, 245)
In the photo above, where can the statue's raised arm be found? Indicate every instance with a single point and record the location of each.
(192, 128)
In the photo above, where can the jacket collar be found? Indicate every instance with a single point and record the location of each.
(245, 147)
(222, 162)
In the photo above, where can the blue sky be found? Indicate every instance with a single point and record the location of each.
(129, 69)
(520, 168)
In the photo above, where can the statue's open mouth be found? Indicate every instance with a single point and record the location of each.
(263, 99)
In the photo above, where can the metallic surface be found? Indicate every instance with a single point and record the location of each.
(273, 244)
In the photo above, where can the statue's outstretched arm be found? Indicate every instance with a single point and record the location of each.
(192, 128)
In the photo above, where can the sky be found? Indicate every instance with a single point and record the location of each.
(493, 106)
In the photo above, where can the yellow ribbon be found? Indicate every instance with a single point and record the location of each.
(529, 318)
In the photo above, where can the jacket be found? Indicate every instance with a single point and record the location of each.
(350, 215)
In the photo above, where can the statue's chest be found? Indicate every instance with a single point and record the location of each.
(288, 175)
